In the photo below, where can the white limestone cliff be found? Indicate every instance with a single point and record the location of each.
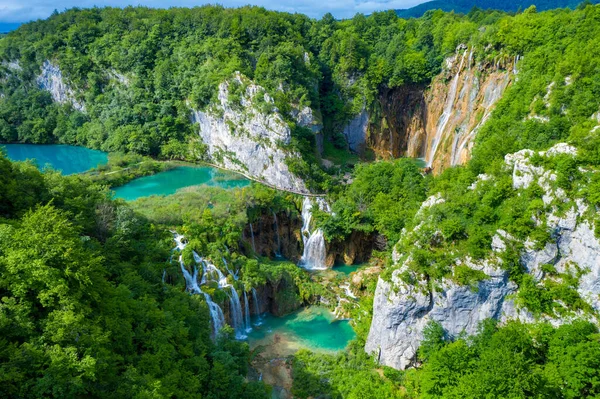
(249, 140)
(51, 79)
(402, 310)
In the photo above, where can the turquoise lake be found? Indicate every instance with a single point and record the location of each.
(68, 159)
(313, 328)
(168, 182)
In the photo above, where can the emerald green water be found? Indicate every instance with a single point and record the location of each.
(168, 182)
(346, 270)
(313, 328)
(68, 159)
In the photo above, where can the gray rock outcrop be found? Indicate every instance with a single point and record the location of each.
(51, 79)
(242, 138)
(401, 310)
(356, 132)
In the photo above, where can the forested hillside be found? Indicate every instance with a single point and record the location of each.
(464, 6)
(482, 275)
(131, 80)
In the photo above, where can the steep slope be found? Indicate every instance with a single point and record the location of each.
(439, 122)
(558, 276)
(241, 137)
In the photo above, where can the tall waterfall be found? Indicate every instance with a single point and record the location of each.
(236, 314)
(256, 307)
(443, 121)
(191, 280)
(314, 254)
(278, 252)
(247, 313)
(252, 235)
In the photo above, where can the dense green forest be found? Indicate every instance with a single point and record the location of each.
(85, 309)
(140, 71)
(83, 312)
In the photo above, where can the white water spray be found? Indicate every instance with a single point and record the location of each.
(314, 254)
(191, 283)
(256, 308)
(252, 235)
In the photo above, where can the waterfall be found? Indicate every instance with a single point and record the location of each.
(211, 271)
(234, 275)
(191, 283)
(236, 314)
(470, 58)
(191, 280)
(256, 307)
(278, 252)
(443, 121)
(247, 313)
(252, 235)
(216, 314)
(347, 290)
(314, 255)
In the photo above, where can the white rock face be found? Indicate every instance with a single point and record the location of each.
(401, 311)
(51, 79)
(241, 138)
(356, 131)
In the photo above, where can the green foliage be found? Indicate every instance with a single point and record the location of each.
(513, 361)
(346, 375)
(382, 197)
(83, 312)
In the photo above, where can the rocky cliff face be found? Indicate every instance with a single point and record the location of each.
(355, 249)
(437, 123)
(51, 79)
(402, 310)
(279, 236)
(276, 235)
(244, 138)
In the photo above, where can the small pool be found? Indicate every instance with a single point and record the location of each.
(68, 159)
(346, 269)
(168, 182)
(312, 328)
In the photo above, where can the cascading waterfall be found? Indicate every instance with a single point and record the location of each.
(216, 314)
(211, 271)
(247, 313)
(314, 254)
(236, 314)
(234, 275)
(443, 121)
(256, 307)
(191, 282)
(252, 235)
(278, 252)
